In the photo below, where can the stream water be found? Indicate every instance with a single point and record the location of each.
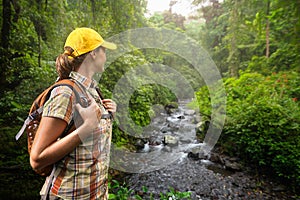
(172, 143)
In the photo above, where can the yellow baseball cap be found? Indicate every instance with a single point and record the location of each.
(83, 40)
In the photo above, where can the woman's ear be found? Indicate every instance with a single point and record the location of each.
(93, 54)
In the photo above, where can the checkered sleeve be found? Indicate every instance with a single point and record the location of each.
(59, 105)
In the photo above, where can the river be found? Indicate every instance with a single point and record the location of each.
(177, 163)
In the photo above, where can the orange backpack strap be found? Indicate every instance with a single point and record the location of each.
(37, 106)
(79, 90)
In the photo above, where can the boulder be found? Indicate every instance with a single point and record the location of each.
(189, 112)
(170, 140)
(197, 153)
(171, 107)
(202, 126)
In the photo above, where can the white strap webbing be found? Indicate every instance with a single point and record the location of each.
(26, 122)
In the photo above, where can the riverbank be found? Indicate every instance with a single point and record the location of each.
(206, 177)
(206, 184)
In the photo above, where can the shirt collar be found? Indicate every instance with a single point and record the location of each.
(86, 82)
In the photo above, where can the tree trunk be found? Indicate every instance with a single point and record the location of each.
(6, 23)
(268, 31)
(5, 32)
(233, 49)
(39, 30)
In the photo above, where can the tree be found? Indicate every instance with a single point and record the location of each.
(8, 18)
(254, 35)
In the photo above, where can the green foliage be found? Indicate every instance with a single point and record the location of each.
(31, 44)
(18, 180)
(262, 121)
(175, 195)
(140, 105)
(168, 20)
(144, 98)
(36, 36)
(16, 104)
(235, 33)
(121, 192)
(282, 59)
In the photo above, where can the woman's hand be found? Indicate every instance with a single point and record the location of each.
(110, 105)
(91, 117)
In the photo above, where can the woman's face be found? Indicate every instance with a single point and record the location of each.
(100, 59)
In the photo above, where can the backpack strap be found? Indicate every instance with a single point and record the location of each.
(80, 95)
(104, 116)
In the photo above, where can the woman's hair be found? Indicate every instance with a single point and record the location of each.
(65, 63)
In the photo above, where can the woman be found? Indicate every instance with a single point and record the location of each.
(81, 157)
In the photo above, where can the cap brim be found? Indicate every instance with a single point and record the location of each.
(109, 45)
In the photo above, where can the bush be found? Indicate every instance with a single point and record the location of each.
(122, 192)
(18, 180)
(262, 121)
(16, 103)
(144, 98)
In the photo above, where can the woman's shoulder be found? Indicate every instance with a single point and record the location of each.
(61, 90)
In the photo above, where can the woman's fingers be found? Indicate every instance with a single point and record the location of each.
(90, 115)
(110, 105)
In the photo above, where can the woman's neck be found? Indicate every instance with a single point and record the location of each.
(86, 69)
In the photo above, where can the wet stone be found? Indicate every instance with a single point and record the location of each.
(189, 112)
(170, 140)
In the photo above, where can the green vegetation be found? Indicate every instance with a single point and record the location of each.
(175, 195)
(262, 122)
(121, 192)
(255, 45)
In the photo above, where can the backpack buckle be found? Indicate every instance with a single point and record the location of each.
(85, 102)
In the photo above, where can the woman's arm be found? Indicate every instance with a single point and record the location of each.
(47, 149)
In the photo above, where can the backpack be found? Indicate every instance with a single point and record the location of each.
(35, 114)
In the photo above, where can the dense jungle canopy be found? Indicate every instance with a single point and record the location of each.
(255, 45)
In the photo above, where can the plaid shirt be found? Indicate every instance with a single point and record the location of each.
(82, 174)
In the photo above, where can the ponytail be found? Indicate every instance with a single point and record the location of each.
(66, 63)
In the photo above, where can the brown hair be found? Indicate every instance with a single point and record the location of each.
(65, 63)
